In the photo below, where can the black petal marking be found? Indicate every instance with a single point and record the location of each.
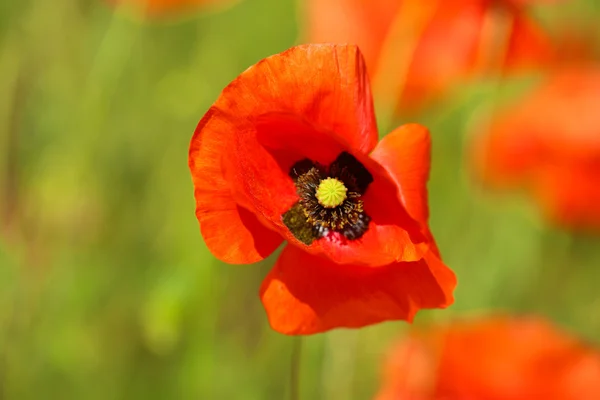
(302, 167)
(346, 165)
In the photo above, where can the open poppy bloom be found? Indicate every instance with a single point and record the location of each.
(453, 40)
(289, 152)
(497, 358)
(165, 8)
(549, 144)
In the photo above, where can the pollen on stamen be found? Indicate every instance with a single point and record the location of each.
(331, 193)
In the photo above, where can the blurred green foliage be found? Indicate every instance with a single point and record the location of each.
(106, 288)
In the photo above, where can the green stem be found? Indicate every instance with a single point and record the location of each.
(295, 369)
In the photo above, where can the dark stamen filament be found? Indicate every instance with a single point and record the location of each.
(329, 199)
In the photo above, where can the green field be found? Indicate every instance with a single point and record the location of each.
(107, 290)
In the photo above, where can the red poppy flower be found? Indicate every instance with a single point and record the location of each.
(492, 359)
(289, 152)
(455, 39)
(165, 8)
(549, 144)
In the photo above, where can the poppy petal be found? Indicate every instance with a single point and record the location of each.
(325, 84)
(528, 45)
(307, 294)
(231, 233)
(406, 154)
(234, 235)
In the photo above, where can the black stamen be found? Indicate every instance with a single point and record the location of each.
(308, 220)
(303, 166)
(356, 230)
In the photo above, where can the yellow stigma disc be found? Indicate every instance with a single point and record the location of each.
(331, 193)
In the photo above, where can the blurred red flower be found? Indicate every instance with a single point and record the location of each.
(492, 359)
(165, 8)
(289, 152)
(549, 144)
(453, 40)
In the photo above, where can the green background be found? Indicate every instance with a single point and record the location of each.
(106, 288)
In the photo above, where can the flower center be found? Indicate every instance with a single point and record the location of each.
(331, 192)
(329, 199)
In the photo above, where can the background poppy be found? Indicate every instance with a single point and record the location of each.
(492, 358)
(549, 143)
(429, 47)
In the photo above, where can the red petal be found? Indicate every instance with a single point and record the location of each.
(528, 45)
(406, 155)
(230, 232)
(326, 85)
(234, 235)
(306, 294)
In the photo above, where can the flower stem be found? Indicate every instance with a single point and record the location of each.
(295, 369)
